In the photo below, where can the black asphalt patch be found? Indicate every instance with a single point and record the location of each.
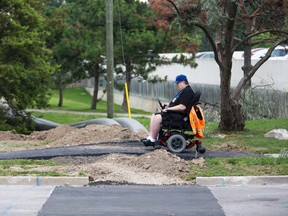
(132, 200)
(134, 148)
(67, 151)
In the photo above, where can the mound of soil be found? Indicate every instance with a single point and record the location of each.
(156, 167)
(65, 135)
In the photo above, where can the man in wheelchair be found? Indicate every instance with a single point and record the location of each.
(174, 116)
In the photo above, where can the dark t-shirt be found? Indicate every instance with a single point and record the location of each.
(184, 97)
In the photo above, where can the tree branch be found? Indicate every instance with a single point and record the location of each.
(205, 30)
(175, 7)
(251, 73)
(258, 33)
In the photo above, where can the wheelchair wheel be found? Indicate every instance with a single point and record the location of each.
(176, 143)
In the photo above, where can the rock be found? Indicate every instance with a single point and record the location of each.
(221, 136)
(281, 134)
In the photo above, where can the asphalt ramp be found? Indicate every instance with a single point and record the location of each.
(132, 200)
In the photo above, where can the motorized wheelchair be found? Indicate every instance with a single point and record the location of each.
(177, 135)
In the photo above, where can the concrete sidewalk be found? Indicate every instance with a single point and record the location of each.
(242, 181)
(44, 180)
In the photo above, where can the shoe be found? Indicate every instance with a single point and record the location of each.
(148, 142)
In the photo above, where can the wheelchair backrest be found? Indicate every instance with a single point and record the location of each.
(195, 100)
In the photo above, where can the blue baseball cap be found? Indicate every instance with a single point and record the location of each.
(180, 78)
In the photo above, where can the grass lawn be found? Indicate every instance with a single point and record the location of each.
(9, 168)
(245, 166)
(251, 139)
(78, 99)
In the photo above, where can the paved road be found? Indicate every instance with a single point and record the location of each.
(144, 200)
(87, 113)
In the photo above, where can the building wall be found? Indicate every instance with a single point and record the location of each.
(272, 72)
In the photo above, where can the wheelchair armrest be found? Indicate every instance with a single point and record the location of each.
(176, 111)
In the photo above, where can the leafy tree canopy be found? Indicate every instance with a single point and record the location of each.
(25, 71)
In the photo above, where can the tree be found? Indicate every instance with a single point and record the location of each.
(222, 23)
(54, 11)
(78, 40)
(25, 69)
(137, 41)
(82, 45)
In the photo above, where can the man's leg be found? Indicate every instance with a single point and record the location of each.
(155, 125)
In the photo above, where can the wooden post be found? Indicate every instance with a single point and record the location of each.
(110, 58)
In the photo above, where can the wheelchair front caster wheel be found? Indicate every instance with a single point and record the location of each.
(200, 149)
(176, 143)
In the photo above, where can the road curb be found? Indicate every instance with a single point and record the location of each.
(242, 180)
(44, 180)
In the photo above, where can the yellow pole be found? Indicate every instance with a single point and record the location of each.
(127, 99)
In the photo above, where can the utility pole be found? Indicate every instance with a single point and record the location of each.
(110, 58)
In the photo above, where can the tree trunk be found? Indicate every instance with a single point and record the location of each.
(95, 91)
(247, 64)
(124, 103)
(129, 68)
(239, 118)
(231, 116)
(247, 47)
(60, 102)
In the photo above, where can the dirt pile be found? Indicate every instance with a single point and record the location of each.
(156, 167)
(65, 135)
(10, 135)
